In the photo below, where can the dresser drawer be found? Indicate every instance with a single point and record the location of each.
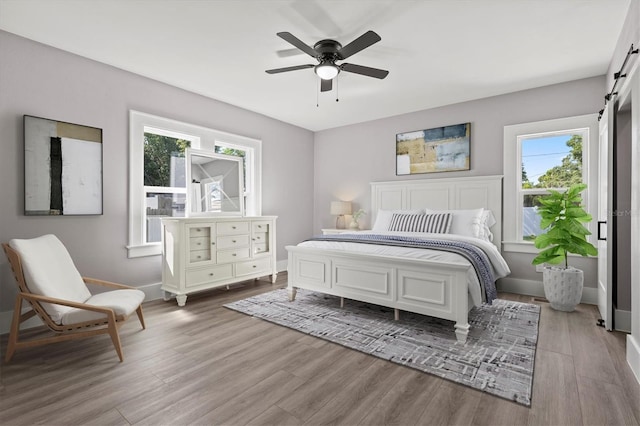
(260, 226)
(202, 276)
(225, 256)
(260, 237)
(260, 248)
(199, 231)
(199, 256)
(253, 267)
(232, 241)
(199, 243)
(231, 228)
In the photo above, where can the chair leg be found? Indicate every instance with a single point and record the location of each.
(140, 317)
(15, 329)
(115, 337)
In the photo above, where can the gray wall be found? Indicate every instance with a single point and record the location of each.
(348, 158)
(42, 81)
(630, 34)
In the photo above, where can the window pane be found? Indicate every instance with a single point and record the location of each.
(530, 217)
(551, 161)
(159, 206)
(164, 163)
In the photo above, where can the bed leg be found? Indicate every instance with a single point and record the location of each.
(396, 314)
(292, 293)
(461, 331)
(342, 302)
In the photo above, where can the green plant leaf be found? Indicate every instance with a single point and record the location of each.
(562, 216)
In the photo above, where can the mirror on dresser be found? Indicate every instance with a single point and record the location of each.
(215, 184)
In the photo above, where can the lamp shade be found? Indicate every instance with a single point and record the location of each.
(340, 207)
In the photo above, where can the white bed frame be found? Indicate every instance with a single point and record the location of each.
(438, 289)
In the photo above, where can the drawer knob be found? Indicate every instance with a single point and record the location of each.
(199, 257)
(210, 274)
(233, 241)
(233, 254)
(259, 226)
(198, 244)
(213, 244)
(233, 227)
(197, 229)
(254, 266)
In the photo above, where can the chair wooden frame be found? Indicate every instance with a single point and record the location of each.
(109, 325)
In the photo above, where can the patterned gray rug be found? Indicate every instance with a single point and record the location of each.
(498, 357)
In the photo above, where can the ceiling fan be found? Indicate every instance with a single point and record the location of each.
(327, 52)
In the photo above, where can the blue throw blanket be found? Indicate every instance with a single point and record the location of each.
(475, 255)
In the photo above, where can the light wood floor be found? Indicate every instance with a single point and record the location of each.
(205, 364)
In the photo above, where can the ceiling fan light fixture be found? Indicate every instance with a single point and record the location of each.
(326, 71)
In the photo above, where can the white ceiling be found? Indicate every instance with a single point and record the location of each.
(438, 52)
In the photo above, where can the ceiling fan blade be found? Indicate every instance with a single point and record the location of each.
(285, 53)
(368, 71)
(285, 69)
(286, 36)
(326, 85)
(362, 42)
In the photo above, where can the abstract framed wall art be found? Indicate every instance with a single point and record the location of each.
(441, 149)
(62, 168)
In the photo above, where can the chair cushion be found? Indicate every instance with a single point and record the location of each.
(123, 302)
(49, 271)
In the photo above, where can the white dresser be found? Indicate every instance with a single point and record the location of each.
(204, 253)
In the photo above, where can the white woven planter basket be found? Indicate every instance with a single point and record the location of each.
(563, 287)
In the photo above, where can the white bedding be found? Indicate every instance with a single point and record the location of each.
(500, 267)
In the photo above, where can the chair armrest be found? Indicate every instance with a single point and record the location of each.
(46, 299)
(103, 283)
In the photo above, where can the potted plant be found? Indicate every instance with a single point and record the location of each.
(355, 218)
(562, 217)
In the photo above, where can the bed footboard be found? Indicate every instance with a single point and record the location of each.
(425, 287)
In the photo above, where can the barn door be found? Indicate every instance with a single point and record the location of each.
(605, 207)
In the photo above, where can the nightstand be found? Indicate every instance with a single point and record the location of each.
(329, 231)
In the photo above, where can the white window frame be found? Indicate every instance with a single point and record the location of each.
(206, 139)
(512, 196)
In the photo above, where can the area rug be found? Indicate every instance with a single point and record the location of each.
(498, 357)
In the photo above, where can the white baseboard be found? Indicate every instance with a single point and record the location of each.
(535, 288)
(622, 320)
(151, 292)
(633, 355)
(281, 265)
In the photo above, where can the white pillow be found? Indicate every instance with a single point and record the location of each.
(383, 218)
(487, 220)
(49, 271)
(464, 222)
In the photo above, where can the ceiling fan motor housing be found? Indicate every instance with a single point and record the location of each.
(328, 50)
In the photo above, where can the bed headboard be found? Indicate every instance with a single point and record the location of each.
(441, 194)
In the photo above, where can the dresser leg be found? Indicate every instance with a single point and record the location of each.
(273, 278)
(182, 299)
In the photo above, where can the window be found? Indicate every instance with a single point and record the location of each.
(545, 155)
(157, 186)
(164, 179)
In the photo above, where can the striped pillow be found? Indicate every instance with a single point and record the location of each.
(437, 223)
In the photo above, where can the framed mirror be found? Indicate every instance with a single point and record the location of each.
(215, 184)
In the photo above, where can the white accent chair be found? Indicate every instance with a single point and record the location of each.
(50, 282)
